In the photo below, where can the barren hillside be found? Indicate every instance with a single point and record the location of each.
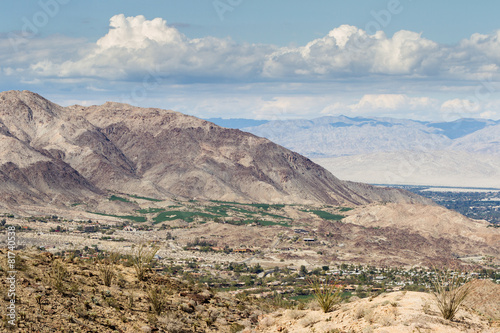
(78, 153)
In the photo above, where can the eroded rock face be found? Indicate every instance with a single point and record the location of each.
(79, 152)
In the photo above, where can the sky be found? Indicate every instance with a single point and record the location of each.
(280, 59)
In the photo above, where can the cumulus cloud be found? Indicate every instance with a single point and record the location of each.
(349, 50)
(135, 46)
(458, 104)
(347, 71)
(370, 103)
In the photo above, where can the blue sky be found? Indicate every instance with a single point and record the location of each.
(429, 60)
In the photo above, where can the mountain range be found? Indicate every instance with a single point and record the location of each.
(465, 152)
(62, 155)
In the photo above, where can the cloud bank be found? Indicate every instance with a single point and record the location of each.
(388, 74)
(135, 44)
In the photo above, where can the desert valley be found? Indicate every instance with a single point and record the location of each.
(129, 219)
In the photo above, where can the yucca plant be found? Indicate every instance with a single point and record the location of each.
(450, 290)
(326, 293)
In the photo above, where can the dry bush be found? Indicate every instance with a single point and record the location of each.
(267, 321)
(360, 312)
(386, 320)
(308, 321)
(326, 293)
(58, 274)
(450, 291)
(107, 270)
(296, 314)
(157, 300)
(172, 323)
(367, 329)
(370, 316)
(142, 259)
(426, 308)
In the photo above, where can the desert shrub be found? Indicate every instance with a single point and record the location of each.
(267, 321)
(278, 301)
(308, 321)
(426, 308)
(172, 323)
(131, 300)
(58, 274)
(235, 327)
(450, 291)
(296, 314)
(142, 259)
(157, 300)
(360, 312)
(326, 293)
(107, 272)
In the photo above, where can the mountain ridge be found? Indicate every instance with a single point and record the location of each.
(157, 153)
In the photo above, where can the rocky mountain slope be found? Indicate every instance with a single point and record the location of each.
(392, 313)
(69, 295)
(57, 154)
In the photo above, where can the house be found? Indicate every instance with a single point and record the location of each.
(89, 228)
(309, 239)
(243, 250)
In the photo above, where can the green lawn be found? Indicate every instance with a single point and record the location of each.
(117, 198)
(218, 210)
(326, 215)
(177, 214)
(144, 198)
(265, 223)
(128, 217)
(150, 210)
(256, 205)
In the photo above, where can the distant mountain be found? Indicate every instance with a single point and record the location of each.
(438, 168)
(236, 123)
(462, 127)
(340, 136)
(485, 141)
(414, 152)
(73, 154)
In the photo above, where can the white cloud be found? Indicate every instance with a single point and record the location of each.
(370, 102)
(349, 50)
(464, 106)
(135, 46)
(347, 71)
